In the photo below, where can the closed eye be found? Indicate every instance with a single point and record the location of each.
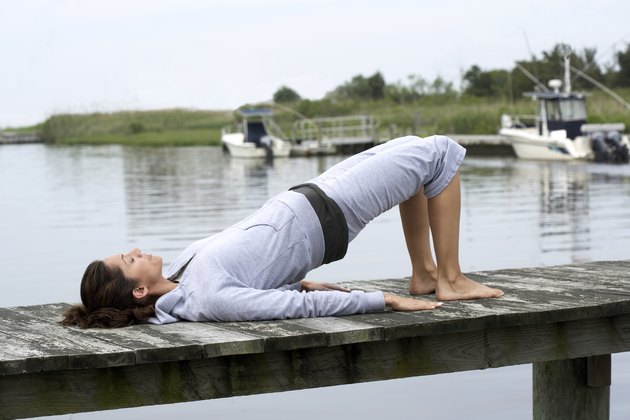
(131, 259)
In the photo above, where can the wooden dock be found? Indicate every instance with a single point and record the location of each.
(566, 320)
(484, 144)
(19, 138)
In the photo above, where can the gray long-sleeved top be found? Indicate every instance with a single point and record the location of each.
(251, 271)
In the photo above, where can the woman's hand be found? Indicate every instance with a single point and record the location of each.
(399, 303)
(310, 286)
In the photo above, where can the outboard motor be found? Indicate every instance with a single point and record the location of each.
(619, 151)
(608, 147)
(600, 148)
(267, 143)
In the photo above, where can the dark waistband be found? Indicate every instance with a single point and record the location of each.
(334, 225)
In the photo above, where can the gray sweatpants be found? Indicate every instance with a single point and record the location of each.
(374, 181)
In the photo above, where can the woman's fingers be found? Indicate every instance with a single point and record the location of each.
(428, 305)
(399, 303)
(311, 286)
(334, 286)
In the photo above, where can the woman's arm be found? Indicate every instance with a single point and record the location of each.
(397, 303)
(247, 304)
(238, 303)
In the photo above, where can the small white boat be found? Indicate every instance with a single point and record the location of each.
(251, 139)
(559, 131)
(313, 148)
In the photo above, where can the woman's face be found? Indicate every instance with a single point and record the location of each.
(142, 267)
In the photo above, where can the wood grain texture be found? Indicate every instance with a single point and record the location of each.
(560, 391)
(547, 314)
(217, 377)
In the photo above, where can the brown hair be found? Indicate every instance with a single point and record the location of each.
(107, 300)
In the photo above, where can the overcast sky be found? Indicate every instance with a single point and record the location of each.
(105, 55)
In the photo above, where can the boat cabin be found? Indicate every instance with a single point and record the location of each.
(253, 124)
(560, 111)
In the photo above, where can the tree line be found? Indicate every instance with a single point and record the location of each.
(494, 83)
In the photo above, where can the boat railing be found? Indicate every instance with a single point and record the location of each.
(232, 128)
(333, 128)
(274, 129)
(519, 121)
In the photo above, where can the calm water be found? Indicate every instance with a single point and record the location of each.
(61, 207)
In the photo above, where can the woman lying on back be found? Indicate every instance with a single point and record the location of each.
(253, 270)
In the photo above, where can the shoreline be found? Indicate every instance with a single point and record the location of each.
(20, 138)
(456, 116)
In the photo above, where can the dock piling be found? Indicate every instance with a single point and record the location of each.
(573, 389)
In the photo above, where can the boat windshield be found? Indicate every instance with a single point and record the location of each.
(566, 109)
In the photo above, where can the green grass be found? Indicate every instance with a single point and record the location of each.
(175, 127)
(210, 137)
(29, 129)
(428, 115)
(602, 108)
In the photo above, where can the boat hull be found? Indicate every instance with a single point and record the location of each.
(238, 148)
(539, 152)
(529, 145)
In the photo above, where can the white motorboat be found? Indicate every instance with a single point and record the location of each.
(258, 135)
(559, 131)
(251, 139)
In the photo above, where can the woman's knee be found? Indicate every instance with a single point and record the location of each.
(443, 143)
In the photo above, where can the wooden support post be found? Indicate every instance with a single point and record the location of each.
(598, 371)
(572, 389)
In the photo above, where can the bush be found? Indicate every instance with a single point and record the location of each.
(136, 127)
(285, 94)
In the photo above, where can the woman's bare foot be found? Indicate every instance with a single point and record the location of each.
(463, 288)
(423, 283)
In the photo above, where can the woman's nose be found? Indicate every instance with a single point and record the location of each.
(134, 251)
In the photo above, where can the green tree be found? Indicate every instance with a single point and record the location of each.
(441, 87)
(406, 93)
(623, 62)
(417, 87)
(360, 87)
(486, 83)
(376, 84)
(551, 66)
(285, 94)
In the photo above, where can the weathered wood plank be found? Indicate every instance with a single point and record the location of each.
(341, 331)
(598, 370)
(49, 346)
(560, 391)
(159, 383)
(280, 335)
(533, 295)
(547, 314)
(161, 343)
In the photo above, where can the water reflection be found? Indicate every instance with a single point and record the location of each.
(61, 207)
(533, 213)
(564, 211)
(175, 196)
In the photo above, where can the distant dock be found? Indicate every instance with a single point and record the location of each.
(484, 144)
(475, 144)
(19, 138)
(565, 320)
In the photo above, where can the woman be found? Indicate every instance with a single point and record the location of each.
(252, 270)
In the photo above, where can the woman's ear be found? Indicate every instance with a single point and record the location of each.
(140, 292)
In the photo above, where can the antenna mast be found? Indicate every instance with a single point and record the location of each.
(567, 74)
(532, 77)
